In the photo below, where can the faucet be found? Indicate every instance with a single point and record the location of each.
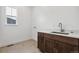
(61, 29)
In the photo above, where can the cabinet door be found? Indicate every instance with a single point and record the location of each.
(58, 47)
(76, 49)
(68, 48)
(62, 47)
(53, 46)
(41, 42)
(47, 45)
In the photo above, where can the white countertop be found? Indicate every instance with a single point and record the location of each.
(73, 35)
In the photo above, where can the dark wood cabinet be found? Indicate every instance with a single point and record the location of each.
(51, 43)
(58, 46)
(41, 41)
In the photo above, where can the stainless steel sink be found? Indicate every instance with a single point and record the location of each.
(60, 33)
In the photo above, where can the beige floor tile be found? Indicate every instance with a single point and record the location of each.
(29, 46)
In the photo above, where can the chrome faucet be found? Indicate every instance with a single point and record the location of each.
(61, 27)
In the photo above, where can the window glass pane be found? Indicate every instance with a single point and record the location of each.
(13, 12)
(8, 11)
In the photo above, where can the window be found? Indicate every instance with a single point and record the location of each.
(11, 15)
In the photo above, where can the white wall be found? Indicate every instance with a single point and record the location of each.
(0, 24)
(16, 33)
(47, 18)
(34, 19)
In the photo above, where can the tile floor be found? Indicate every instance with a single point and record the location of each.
(29, 46)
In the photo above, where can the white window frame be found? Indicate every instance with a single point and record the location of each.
(11, 15)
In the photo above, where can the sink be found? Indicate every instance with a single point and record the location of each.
(60, 33)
